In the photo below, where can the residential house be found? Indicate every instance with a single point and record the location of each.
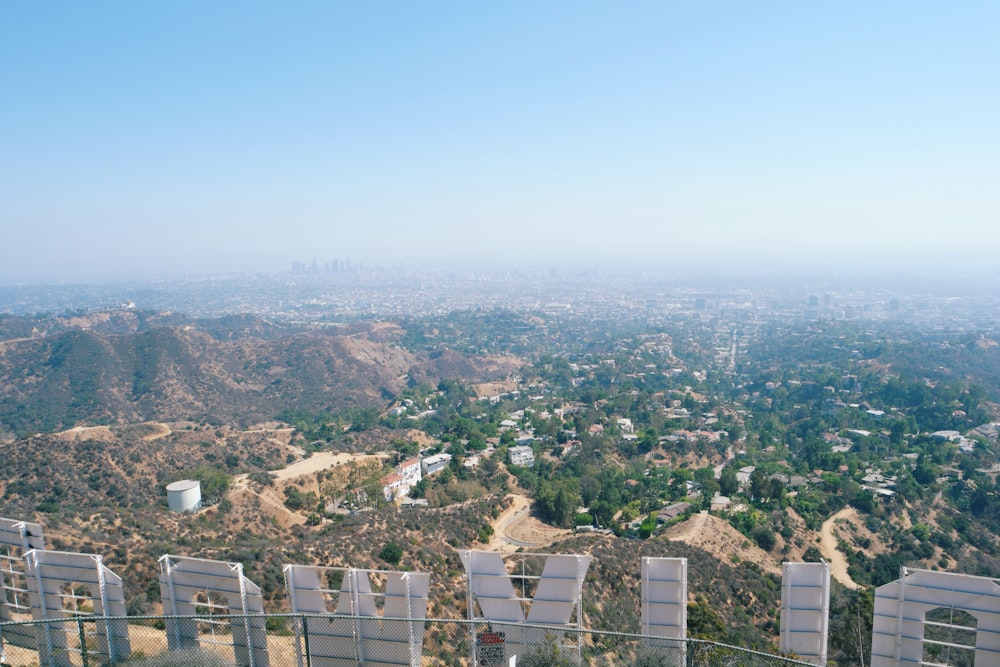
(410, 471)
(672, 512)
(436, 463)
(393, 486)
(521, 456)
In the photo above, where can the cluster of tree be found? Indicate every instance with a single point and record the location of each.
(296, 500)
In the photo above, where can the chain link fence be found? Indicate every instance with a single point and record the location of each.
(340, 641)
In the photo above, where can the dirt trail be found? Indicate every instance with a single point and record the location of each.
(828, 547)
(516, 528)
(162, 431)
(519, 507)
(78, 433)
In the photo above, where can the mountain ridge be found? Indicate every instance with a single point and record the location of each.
(98, 370)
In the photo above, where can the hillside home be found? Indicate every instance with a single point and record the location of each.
(436, 463)
(720, 503)
(393, 486)
(672, 512)
(410, 471)
(521, 456)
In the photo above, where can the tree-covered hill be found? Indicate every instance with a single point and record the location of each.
(238, 369)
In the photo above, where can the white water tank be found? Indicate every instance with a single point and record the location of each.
(184, 496)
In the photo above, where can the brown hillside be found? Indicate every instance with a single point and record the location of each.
(715, 536)
(86, 376)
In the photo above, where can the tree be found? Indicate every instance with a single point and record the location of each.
(704, 622)
(764, 537)
(214, 483)
(708, 491)
(647, 526)
(648, 441)
(702, 475)
(864, 501)
(419, 489)
(926, 472)
(296, 500)
(391, 553)
(590, 489)
(760, 485)
(850, 626)
(445, 476)
(728, 484)
(603, 511)
(678, 484)
(557, 502)
(812, 555)
(776, 490)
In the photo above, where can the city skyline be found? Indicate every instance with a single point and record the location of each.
(170, 138)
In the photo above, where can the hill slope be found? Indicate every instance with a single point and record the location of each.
(104, 374)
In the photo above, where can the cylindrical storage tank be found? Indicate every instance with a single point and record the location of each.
(184, 496)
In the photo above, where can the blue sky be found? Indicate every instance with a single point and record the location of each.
(165, 137)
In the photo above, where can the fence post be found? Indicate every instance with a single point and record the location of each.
(305, 639)
(83, 640)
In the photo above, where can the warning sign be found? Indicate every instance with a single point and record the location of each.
(490, 649)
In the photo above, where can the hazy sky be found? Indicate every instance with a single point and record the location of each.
(159, 137)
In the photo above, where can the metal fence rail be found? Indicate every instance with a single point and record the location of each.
(339, 641)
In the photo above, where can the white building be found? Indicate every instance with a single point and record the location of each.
(436, 463)
(394, 487)
(409, 470)
(521, 456)
(399, 483)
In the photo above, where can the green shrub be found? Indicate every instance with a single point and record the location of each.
(391, 553)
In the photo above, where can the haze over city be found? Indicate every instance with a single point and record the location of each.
(163, 138)
(556, 334)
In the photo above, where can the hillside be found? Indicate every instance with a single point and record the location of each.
(842, 459)
(89, 470)
(100, 489)
(100, 369)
